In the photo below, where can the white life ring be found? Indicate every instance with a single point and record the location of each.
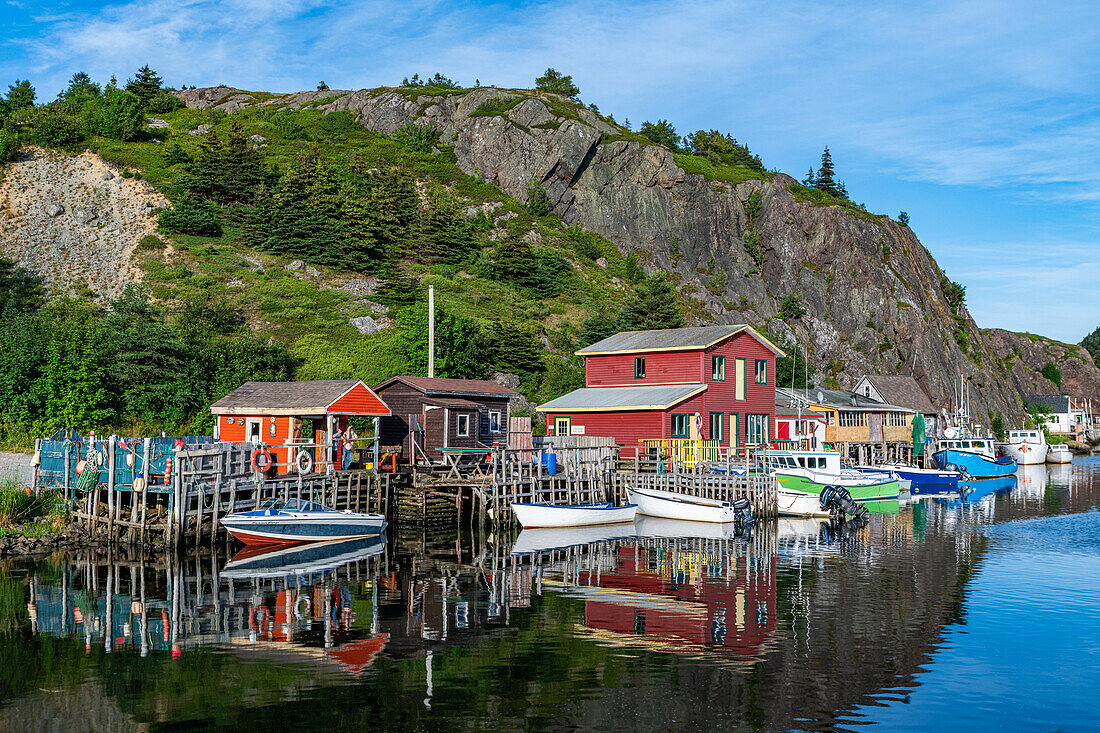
(304, 462)
(298, 607)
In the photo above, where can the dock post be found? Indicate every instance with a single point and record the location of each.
(111, 489)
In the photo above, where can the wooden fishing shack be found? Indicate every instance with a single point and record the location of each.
(307, 425)
(431, 415)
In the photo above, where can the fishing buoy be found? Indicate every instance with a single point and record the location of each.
(130, 460)
(139, 484)
(80, 466)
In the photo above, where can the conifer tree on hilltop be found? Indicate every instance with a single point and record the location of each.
(144, 85)
(824, 180)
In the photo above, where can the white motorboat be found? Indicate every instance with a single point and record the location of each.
(1059, 453)
(572, 515)
(794, 503)
(1028, 447)
(672, 505)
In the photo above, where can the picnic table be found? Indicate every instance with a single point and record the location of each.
(454, 458)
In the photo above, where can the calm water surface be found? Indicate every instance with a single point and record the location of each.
(972, 613)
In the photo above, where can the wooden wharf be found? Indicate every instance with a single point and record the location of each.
(162, 491)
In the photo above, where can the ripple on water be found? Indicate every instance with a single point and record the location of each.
(1064, 534)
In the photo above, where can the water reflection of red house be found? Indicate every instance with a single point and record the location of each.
(677, 601)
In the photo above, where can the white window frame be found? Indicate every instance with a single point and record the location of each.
(459, 431)
(259, 423)
(494, 414)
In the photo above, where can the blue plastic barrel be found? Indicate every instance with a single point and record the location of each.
(550, 463)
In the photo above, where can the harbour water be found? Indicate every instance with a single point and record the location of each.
(968, 613)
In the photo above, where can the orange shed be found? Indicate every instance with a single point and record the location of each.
(276, 414)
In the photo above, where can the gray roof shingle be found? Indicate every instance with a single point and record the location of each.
(1056, 402)
(903, 391)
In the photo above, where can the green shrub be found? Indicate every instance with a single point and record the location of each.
(1053, 373)
(150, 243)
(538, 203)
(791, 307)
(55, 127)
(419, 138)
(117, 115)
(174, 154)
(164, 102)
(9, 145)
(337, 122)
(490, 107)
(192, 216)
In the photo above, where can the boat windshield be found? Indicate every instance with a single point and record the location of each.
(299, 505)
(275, 504)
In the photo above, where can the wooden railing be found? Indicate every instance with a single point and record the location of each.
(685, 451)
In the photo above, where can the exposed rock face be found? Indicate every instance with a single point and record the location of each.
(86, 230)
(1024, 356)
(872, 293)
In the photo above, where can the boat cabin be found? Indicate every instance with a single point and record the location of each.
(306, 424)
(784, 460)
(980, 446)
(1029, 437)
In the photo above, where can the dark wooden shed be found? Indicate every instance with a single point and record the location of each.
(433, 413)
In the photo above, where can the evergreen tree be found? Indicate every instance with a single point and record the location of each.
(809, 179)
(144, 85)
(824, 181)
(599, 326)
(661, 132)
(723, 149)
(81, 89)
(20, 95)
(653, 304)
(556, 83)
(903, 218)
(226, 171)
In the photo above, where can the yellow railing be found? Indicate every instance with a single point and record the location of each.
(685, 451)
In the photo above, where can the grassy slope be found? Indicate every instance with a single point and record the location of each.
(312, 314)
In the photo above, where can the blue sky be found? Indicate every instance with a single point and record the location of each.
(980, 119)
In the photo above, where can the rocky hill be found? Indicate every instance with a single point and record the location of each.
(873, 297)
(1024, 355)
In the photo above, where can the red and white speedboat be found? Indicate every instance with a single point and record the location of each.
(295, 520)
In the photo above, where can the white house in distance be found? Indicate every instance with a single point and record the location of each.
(1068, 416)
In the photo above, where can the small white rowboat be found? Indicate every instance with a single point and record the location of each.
(671, 505)
(572, 515)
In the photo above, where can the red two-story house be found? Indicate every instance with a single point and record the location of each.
(706, 382)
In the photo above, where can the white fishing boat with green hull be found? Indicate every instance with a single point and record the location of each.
(803, 475)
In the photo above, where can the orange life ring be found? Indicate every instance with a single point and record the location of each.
(261, 460)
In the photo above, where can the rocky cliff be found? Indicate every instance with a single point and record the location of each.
(1024, 355)
(872, 294)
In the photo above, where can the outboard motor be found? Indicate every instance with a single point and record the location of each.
(838, 500)
(743, 510)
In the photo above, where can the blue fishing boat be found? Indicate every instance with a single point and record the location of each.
(972, 457)
(924, 481)
(297, 520)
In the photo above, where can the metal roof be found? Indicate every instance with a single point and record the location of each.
(838, 399)
(607, 399)
(301, 399)
(672, 339)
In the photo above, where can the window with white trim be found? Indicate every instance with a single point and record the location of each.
(463, 430)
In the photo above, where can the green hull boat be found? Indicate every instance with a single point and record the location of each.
(860, 491)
